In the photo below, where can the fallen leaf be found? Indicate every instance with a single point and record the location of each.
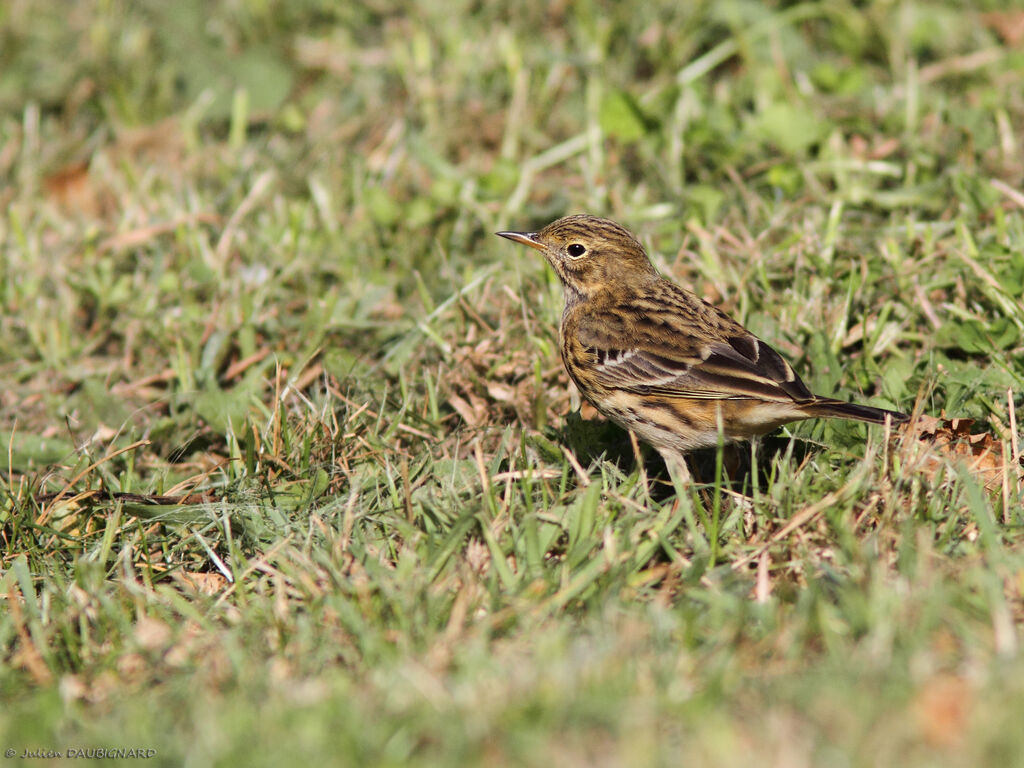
(952, 440)
(1009, 25)
(942, 708)
(75, 190)
(465, 410)
(201, 583)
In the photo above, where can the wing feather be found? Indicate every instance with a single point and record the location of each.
(681, 361)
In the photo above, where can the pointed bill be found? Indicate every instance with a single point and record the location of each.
(526, 238)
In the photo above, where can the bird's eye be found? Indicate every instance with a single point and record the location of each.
(576, 250)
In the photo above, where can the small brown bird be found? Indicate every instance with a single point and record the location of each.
(658, 360)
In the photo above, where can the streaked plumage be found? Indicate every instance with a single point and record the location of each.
(660, 361)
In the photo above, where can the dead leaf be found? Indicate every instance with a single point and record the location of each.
(1009, 25)
(952, 440)
(942, 708)
(503, 393)
(74, 189)
(201, 583)
(469, 414)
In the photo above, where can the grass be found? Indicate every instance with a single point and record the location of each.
(247, 266)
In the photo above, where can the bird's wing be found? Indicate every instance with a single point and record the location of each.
(682, 361)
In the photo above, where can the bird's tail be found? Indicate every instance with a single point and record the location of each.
(826, 407)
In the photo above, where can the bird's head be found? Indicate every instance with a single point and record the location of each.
(590, 254)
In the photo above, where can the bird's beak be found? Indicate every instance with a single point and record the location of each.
(526, 238)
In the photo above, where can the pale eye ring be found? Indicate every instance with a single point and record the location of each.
(576, 250)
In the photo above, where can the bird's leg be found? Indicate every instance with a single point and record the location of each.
(677, 470)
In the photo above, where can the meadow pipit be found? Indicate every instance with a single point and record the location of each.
(658, 360)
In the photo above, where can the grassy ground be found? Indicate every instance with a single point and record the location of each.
(247, 260)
